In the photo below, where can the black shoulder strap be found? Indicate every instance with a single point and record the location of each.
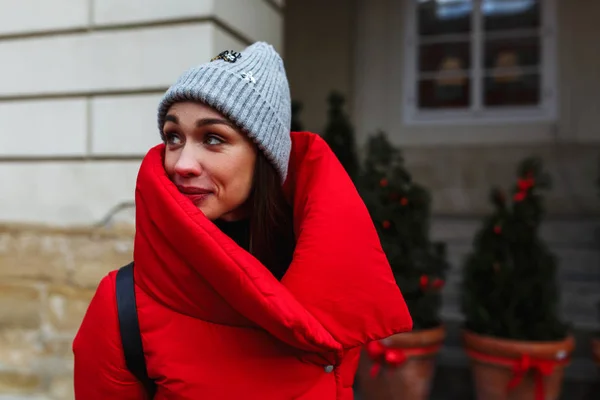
(130, 328)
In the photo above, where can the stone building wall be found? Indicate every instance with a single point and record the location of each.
(47, 279)
(80, 81)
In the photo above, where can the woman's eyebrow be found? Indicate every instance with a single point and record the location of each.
(213, 121)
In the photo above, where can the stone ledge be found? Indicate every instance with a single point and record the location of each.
(116, 230)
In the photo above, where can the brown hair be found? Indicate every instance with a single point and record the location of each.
(272, 239)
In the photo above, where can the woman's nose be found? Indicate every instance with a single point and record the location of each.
(188, 164)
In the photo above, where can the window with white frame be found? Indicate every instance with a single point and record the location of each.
(480, 60)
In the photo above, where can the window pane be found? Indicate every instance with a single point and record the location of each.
(512, 89)
(511, 14)
(445, 92)
(511, 53)
(444, 56)
(442, 17)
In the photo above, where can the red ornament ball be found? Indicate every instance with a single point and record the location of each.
(386, 224)
(497, 229)
(519, 196)
(404, 201)
(525, 184)
(383, 182)
(438, 283)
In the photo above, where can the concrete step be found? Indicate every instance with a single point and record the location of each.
(451, 383)
(574, 241)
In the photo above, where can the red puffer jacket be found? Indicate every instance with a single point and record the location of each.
(217, 325)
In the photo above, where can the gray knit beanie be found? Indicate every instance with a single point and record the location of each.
(251, 89)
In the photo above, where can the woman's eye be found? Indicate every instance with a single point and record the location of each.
(172, 139)
(213, 140)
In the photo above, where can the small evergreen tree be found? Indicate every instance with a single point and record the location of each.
(509, 279)
(598, 304)
(296, 124)
(339, 135)
(400, 209)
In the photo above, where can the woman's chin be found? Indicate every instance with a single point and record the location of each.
(213, 212)
(208, 212)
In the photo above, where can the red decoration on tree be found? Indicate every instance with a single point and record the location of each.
(519, 196)
(497, 229)
(383, 182)
(386, 224)
(404, 201)
(438, 283)
(423, 282)
(525, 184)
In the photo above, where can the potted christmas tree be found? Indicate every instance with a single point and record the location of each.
(513, 335)
(339, 135)
(596, 344)
(596, 339)
(402, 366)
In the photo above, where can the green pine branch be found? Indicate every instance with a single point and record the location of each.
(339, 134)
(296, 125)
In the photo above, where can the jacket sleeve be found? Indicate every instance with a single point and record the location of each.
(100, 370)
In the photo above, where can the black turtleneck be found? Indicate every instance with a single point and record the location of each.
(239, 231)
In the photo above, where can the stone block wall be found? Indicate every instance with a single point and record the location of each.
(80, 81)
(47, 279)
(87, 76)
(460, 177)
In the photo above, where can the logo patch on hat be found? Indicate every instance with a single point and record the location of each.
(248, 76)
(228, 56)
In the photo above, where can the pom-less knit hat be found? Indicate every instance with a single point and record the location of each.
(251, 89)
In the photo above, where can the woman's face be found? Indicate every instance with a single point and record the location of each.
(209, 160)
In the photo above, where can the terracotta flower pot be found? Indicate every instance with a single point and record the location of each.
(505, 369)
(401, 366)
(596, 350)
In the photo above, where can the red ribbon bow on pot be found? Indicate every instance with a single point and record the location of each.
(541, 369)
(381, 354)
(394, 357)
(521, 366)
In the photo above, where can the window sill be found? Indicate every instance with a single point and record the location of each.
(497, 117)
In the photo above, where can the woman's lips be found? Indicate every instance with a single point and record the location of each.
(195, 194)
(196, 198)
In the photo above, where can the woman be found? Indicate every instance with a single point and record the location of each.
(258, 272)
